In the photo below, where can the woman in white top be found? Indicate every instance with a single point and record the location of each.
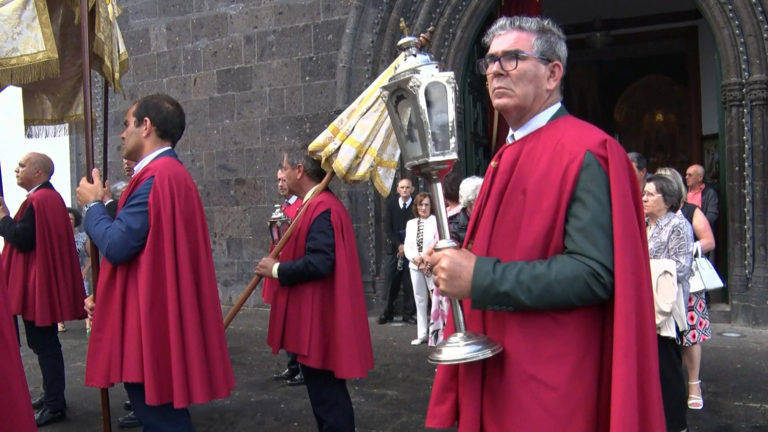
(420, 235)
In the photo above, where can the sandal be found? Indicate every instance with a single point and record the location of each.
(695, 402)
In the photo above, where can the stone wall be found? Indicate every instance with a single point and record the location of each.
(252, 76)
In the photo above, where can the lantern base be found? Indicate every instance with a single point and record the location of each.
(464, 347)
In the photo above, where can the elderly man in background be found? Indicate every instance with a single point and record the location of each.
(553, 264)
(290, 206)
(42, 276)
(701, 195)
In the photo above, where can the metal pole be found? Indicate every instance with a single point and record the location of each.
(106, 415)
(105, 133)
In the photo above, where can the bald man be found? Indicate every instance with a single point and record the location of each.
(701, 195)
(42, 276)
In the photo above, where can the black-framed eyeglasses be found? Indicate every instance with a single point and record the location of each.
(508, 61)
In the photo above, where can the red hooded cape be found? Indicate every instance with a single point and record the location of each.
(158, 318)
(269, 285)
(324, 322)
(45, 285)
(582, 369)
(15, 409)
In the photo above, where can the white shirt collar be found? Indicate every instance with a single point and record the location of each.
(292, 199)
(34, 189)
(147, 159)
(407, 203)
(534, 123)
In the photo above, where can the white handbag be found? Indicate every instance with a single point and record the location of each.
(704, 275)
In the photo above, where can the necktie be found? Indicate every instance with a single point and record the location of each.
(405, 206)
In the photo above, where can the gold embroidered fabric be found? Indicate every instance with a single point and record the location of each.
(361, 144)
(27, 47)
(58, 98)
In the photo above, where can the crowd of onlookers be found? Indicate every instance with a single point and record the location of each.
(411, 227)
(679, 217)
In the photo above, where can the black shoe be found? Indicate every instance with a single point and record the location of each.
(297, 380)
(37, 402)
(384, 319)
(128, 421)
(127, 406)
(409, 320)
(47, 416)
(286, 374)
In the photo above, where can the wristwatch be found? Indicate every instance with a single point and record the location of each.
(89, 205)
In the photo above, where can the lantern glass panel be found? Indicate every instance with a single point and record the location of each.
(436, 96)
(404, 106)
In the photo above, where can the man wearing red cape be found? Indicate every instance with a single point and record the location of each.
(43, 279)
(14, 408)
(554, 266)
(318, 309)
(290, 207)
(158, 326)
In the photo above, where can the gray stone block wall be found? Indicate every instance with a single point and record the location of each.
(252, 76)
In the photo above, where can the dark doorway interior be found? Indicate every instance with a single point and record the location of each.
(643, 89)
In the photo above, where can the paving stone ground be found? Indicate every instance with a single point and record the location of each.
(395, 395)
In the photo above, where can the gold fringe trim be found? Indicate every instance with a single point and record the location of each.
(25, 72)
(28, 68)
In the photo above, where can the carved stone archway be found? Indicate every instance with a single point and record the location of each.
(740, 29)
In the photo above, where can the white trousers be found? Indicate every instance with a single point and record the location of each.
(421, 298)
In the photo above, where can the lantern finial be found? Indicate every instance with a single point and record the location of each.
(404, 28)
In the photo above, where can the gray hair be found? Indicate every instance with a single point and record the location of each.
(548, 41)
(468, 190)
(669, 191)
(638, 160)
(297, 154)
(675, 177)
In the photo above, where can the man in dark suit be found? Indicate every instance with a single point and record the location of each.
(398, 212)
(42, 276)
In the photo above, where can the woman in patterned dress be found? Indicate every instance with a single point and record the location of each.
(698, 313)
(670, 236)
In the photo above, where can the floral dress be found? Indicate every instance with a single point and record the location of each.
(81, 240)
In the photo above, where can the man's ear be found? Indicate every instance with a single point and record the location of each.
(300, 171)
(554, 74)
(146, 126)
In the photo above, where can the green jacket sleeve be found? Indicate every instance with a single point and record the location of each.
(582, 275)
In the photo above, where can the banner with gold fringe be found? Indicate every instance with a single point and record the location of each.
(360, 144)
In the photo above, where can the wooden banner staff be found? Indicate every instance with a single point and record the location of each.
(106, 415)
(276, 251)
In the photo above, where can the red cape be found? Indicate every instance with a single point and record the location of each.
(14, 398)
(45, 284)
(582, 369)
(158, 318)
(269, 285)
(324, 322)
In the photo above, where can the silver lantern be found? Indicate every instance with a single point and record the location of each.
(421, 102)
